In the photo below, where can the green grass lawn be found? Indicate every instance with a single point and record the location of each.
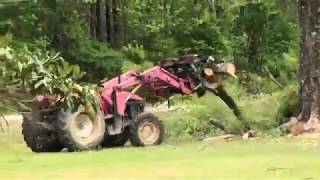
(265, 158)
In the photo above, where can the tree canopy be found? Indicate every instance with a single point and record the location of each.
(106, 37)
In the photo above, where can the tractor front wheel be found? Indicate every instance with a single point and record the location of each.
(78, 131)
(146, 130)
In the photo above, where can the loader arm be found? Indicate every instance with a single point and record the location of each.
(179, 76)
(162, 83)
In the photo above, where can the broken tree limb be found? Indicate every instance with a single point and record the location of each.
(218, 125)
(227, 99)
(273, 78)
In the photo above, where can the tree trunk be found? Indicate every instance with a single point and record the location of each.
(92, 22)
(124, 28)
(309, 17)
(214, 11)
(118, 23)
(102, 22)
(110, 23)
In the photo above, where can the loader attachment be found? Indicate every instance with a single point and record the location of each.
(213, 71)
(212, 79)
(207, 73)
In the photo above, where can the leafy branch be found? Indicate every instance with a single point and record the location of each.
(25, 74)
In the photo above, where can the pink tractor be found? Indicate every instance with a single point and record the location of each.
(122, 115)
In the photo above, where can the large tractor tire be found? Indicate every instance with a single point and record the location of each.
(38, 138)
(77, 131)
(116, 140)
(146, 130)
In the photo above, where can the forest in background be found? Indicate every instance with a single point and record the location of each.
(107, 37)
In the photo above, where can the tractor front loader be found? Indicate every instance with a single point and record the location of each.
(121, 116)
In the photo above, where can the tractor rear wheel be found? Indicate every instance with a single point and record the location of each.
(38, 138)
(116, 140)
(146, 130)
(78, 131)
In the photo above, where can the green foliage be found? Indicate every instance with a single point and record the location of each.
(94, 57)
(254, 34)
(278, 75)
(64, 30)
(5, 40)
(18, 17)
(260, 37)
(135, 53)
(128, 65)
(261, 34)
(170, 28)
(194, 116)
(263, 112)
(44, 73)
(289, 104)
